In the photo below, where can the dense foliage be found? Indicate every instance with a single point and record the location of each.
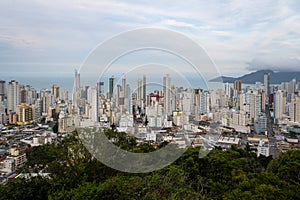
(232, 174)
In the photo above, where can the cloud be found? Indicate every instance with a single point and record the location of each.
(274, 63)
(232, 32)
(170, 22)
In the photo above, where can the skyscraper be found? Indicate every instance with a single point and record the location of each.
(204, 102)
(267, 86)
(167, 94)
(100, 88)
(238, 85)
(128, 99)
(76, 93)
(2, 90)
(65, 95)
(144, 88)
(124, 83)
(228, 90)
(257, 106)
(295, 110)
(111, 87)
(139, 92)
(23, 94)
(55, 91)
(13, 95)
(76, 81)
(278, 107)
(92, 100)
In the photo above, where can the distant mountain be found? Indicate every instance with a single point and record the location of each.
(258, 76)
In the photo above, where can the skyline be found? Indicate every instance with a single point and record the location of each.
(39, 37)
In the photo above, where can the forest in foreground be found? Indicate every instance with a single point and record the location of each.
(232, 174)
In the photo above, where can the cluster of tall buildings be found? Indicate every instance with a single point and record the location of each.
(234, 105)
(23, 104)
(121, 104)
(125, 104)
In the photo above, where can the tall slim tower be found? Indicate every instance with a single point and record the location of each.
(76, 92)
(124, 83)
(92, 100)
(295, 110)
(167, 94)
(111, 86)
(13, 95)
(257, 106)
(278, 107)
(139, 92)
(77, 81)
(228, 90)
(144, 89)
(2, 90)
(128, 99)
(267, 86)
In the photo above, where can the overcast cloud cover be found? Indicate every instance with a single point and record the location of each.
(40, 35)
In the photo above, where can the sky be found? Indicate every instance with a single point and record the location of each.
(42, 38)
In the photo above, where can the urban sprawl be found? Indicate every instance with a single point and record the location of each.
(265, 116)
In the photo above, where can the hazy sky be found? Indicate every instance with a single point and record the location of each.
(38, 36)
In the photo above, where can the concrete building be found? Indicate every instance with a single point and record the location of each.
(278, 106)
(126, 121)
(92, 99)
(2, 90)
(3, 116)
(227, 142)
(55, 91)
(260, 125)
(263, 148)
(64, 122)
(25, 114)
(295, 110)
(238, 86)
(258, 102)
(13, 95)
(267, 86)
(12, 118)
(111, 87)
(167, 94)
(8, 166)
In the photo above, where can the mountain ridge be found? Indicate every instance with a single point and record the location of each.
(258, 76)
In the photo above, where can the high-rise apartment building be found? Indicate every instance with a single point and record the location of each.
(92, 100)
(65, 95)
(139, 92)
(167, 94)
(25, 114)
(295, 110)
(76, 81)
(144, 88)
(111, 87)
(258, 103)
(100, 88)
(278, 105)
(23, 94)
(267, 86)
(13, 95)
(238, 85)
(228, 90)
(76, 93)
(2, 90)
(55, 91)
